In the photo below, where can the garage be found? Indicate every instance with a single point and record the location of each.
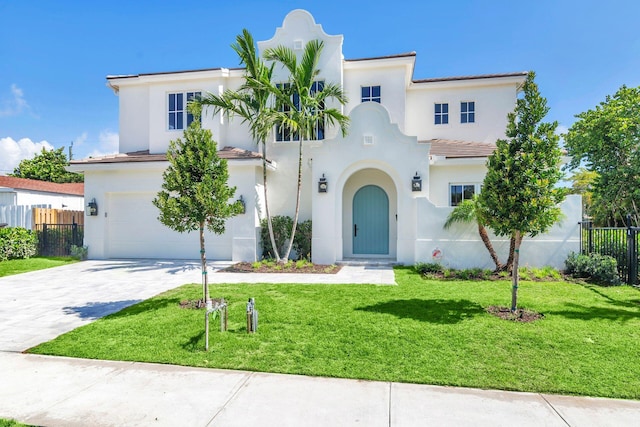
(134, 231)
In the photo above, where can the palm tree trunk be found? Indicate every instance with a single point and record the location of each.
(487, 244)
(266, 203)
(516, 260)
(295, 217)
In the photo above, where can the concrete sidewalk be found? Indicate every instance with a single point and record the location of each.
(51, 391)
(55, 391)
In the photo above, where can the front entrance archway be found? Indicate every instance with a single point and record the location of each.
(370, 221)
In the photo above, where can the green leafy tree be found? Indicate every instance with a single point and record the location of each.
(305, 104)
(48, 165)
(252, 102)
(195, 194)
(519, 193)
(582, 183)
(606, 140)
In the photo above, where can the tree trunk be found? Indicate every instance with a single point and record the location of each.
(487, 244)
(295, 217)
(203, 260)
(514, 275)
(512, 247)
(266, 203)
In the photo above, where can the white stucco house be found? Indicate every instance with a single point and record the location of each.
(415, 148)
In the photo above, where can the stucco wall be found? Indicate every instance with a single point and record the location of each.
(493, 101)
(112, 186)
(462, 248)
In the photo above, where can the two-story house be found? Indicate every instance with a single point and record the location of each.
(415, 148)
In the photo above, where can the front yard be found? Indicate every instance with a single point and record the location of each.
(421, 331)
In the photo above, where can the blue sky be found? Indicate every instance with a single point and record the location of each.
(55, 55)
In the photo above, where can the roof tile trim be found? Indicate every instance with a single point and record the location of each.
(473, 77)
(73, 188)
(228, 153)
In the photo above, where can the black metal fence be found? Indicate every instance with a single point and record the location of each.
(57, 239)
(619, 243)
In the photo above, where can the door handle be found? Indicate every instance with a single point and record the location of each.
(355, 230)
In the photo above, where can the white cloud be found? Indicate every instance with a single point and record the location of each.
(12, 152)
(15, 105)
(108, 143)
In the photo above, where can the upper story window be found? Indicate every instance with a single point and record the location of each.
(458, 193)
(467, 112)
(283, 132)
(441, 114)
(179, 117)
(371, 93)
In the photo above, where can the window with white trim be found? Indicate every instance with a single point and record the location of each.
(178, 115)
(441, 113)
(468, 112)
(458, 193)
(370, 93)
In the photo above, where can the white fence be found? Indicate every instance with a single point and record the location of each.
(18, 216)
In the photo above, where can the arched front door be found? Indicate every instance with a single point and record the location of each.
(370, 221)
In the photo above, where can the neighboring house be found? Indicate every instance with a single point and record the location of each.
(19, 195)
(415, 148)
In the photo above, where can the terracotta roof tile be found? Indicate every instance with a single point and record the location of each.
(75, 188)
(453, 149)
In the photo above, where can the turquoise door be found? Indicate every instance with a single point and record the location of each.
(370, 228)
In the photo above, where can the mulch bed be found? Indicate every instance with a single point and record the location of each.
(247, 267)
(521, 314)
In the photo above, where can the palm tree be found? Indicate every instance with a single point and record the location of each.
(251, 102)
(305, 100)
(471, 211)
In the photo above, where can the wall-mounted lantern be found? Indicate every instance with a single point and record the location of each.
(322, 185)
(92, 208)
(416, 183)
(243, 205)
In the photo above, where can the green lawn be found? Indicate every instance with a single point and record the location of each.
(17, 266)
(421, 331)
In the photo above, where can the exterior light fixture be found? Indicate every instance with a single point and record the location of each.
(92, 208)
(322, 185)
(243, 205)
(416, 183)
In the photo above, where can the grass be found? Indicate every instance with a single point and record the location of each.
(17, 266)
(421, 331)
(11, 423)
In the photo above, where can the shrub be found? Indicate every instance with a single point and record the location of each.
(302, 240)
(79, 252)
(281, 232)
(601, 269)
(17, 242)
(424, 268)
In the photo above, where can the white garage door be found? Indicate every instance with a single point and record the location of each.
(133, 231)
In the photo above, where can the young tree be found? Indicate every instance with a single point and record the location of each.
(305, 99)
(519, 193)
(252, 102)
(195, 194)
(48, 165)
(607, 141)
